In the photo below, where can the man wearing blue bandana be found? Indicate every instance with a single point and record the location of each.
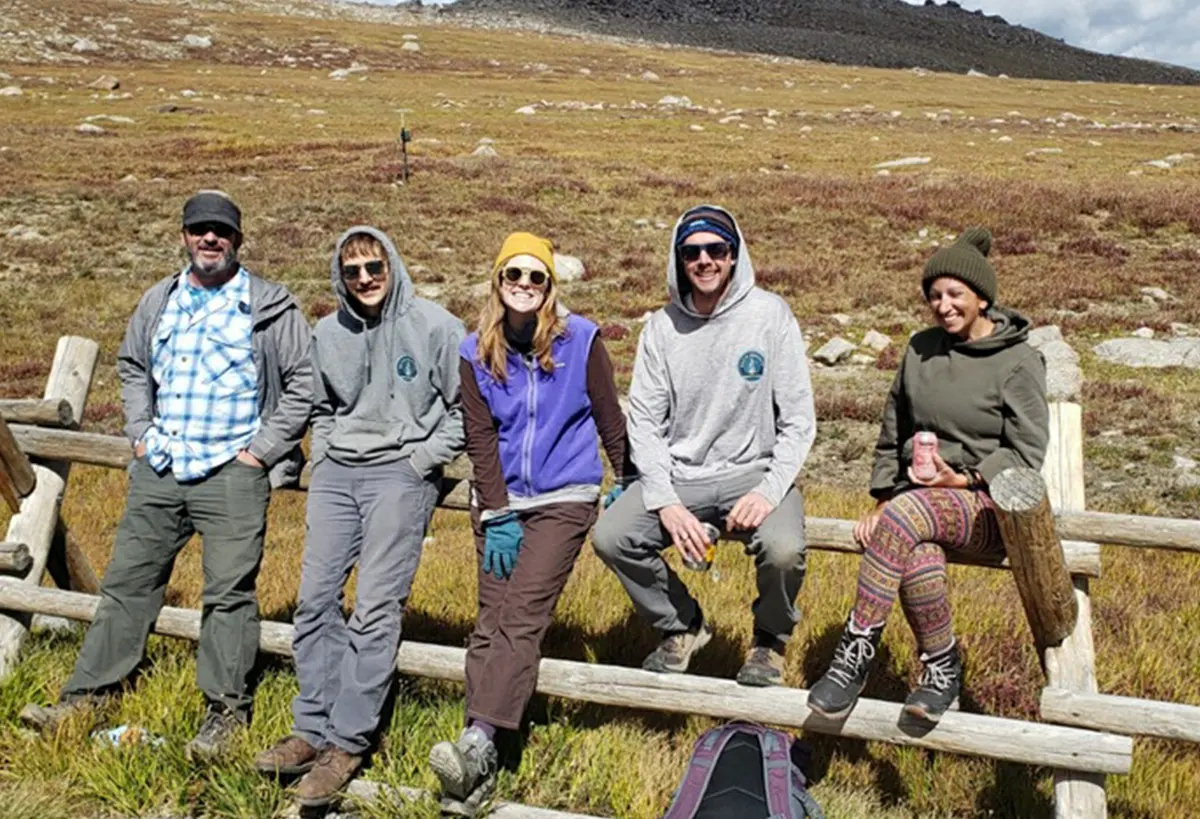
(721, 420)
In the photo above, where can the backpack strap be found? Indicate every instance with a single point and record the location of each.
(695, 782)
(777, 770)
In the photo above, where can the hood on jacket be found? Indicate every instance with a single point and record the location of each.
(399, 295)
(741, 279)
(1012, 328)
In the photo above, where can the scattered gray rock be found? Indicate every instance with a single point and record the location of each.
(129, 178)
(672, 101)
(409, 37)
(834, 351)
(196, 41)
(11, 91)
(904, 162)
(568, 268)
(862, 359)
(649, 76)
(1184, 464)
(1181, 330)
(526, 110)
(840, 319)
(973, 73)
(90, 129)
(433, 292)
(1064, 378)
(641, 223)
(1157, 293)
(1151, 353)
(105, 82)
(484, 150)
(113, 118)
(411, 45)
(876, 341)
(696, 128)
(1161, 164)
(23, 233)
(343, 73)
(83, 45)
(1143, 332)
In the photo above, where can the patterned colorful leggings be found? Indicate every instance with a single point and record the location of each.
(906, 555)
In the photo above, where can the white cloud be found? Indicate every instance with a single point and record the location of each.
(1163, 30)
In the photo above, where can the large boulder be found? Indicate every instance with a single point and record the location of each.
(1064, 378)
(1152, 353)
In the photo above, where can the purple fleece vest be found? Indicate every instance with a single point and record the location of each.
(544, 420)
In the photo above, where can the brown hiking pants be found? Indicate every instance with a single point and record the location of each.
(505, 647)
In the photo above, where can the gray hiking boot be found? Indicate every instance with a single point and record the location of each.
(674, 654)
(49, 717)
(834, 695)
(290, 756)
(940, 684)
(764, 664)
(466, 768)
(215, 733)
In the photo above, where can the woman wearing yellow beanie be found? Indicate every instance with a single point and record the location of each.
(537, 389)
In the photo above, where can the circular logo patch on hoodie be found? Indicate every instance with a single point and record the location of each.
(752, 365)
(406, 368)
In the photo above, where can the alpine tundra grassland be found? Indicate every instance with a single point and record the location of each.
(1082, 223)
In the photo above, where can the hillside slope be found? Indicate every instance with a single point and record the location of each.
(880, 33)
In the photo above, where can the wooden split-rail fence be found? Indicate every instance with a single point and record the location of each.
(1053, 553)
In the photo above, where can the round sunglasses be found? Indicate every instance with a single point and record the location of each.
(513, 275)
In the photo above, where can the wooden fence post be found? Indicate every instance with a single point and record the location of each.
(1072, 664)
(70, 379)
(17, 478)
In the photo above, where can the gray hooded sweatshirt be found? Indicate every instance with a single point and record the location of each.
(386, 389)
(722, 395)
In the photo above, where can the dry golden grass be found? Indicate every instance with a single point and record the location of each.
(1075, 232)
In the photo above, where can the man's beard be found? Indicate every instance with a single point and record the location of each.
(212, 270)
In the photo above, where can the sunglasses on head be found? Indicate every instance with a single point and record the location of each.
(717, 251)
(201, 229)
(374, 268)
(537, 278)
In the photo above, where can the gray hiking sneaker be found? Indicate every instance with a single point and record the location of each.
(214, 735)
(50, 717)
(674, 654)
(466, 767)
(764, 663)
(939, 686)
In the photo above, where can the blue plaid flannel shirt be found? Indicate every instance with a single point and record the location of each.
(207, 383)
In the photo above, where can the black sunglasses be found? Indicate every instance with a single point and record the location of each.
(514, 274)
(717, 251)
(222, 230)
(374, 268)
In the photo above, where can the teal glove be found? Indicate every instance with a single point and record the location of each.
(612, 496)
(502, 538)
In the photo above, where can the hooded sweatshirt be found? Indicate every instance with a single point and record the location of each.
(985, 400)
(721, 395)
(386, 388)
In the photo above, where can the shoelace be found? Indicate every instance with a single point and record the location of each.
(849, 658)
(936, 675)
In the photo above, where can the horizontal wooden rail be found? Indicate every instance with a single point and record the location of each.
(1028, 743)
(825, 534)
(1131, 530)
(1122, 715)
(48, 412)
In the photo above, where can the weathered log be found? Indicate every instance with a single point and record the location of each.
(1122, 715)
(70, 378)
(365, 790)
(961, 733)
(38, 412)
(73, 447)
(14, 558)
(1035, 554)
(1072, 665)
(68, 564)
(1130, 530)
(17, 478)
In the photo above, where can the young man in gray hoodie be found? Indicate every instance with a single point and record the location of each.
(721, 420)
(386, 418)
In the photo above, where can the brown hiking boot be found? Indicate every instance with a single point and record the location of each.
(675, 652)
(289, 756)
(330, 774)
(50, 717)
(764, 662)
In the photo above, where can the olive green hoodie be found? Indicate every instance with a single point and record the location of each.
(985, 399)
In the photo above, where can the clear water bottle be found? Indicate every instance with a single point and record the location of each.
(710, 551)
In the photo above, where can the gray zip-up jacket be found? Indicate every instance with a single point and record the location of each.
(281, 343)
(720, 395)
(387, 389)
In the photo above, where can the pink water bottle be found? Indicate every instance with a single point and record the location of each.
(924, 447)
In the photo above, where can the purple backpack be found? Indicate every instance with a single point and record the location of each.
(743, 770)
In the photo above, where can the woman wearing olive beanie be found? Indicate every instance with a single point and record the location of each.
(974, 381)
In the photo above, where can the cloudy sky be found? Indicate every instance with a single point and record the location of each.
(1165, 30)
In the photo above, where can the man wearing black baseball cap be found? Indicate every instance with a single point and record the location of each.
(216, 383)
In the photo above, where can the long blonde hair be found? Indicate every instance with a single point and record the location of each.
(492, 350)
